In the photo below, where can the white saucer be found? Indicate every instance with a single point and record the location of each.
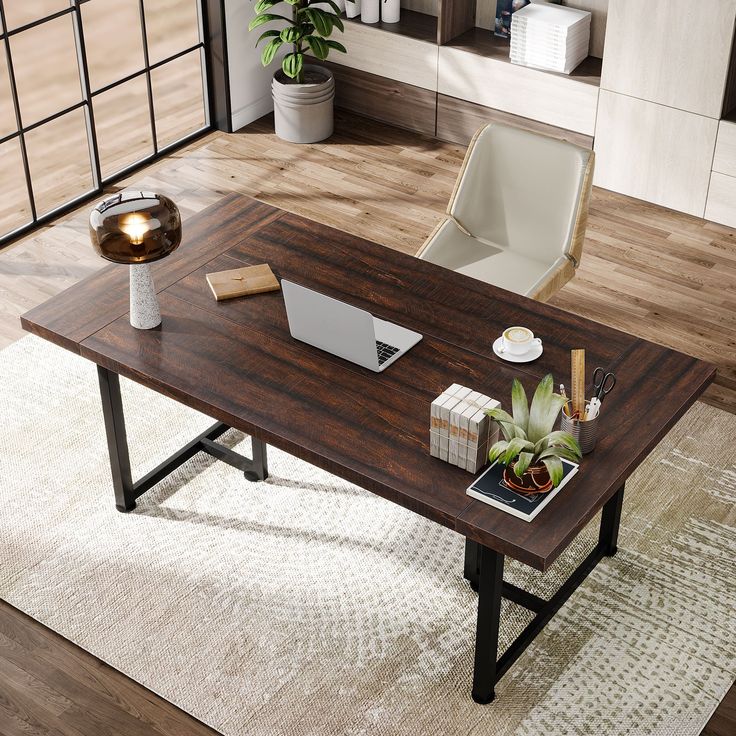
(532, 354)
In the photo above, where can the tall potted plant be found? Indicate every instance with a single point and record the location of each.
(303, 93)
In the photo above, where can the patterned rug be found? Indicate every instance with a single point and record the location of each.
(304, 605)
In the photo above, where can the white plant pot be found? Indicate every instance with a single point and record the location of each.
(370, 11)
(352, 10)
(303, 112)
(390, 11)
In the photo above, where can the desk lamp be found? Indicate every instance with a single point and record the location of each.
(137, 228)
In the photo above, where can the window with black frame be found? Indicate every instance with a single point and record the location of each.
(88, 90)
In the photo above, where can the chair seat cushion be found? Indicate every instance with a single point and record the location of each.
(507, 269)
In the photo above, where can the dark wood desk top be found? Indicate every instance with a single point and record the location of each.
(236, 362)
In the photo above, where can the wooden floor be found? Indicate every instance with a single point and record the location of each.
(659, 274)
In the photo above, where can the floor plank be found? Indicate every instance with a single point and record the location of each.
(49, 685)
(660, 274)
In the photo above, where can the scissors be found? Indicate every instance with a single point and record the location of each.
(602, 383)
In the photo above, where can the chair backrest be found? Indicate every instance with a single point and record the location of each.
(524, 191)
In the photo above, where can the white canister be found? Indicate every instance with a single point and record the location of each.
(352, 9)
(390, 11)
(328, 8)
(370, 11)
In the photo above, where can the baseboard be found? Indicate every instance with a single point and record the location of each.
(246, 115)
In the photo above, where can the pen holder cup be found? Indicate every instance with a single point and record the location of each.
(586, 433)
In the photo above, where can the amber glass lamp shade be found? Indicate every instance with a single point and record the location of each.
(135, 227)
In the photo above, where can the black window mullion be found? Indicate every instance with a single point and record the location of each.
(53, 16)
(18, 117)
(149, 83)
(94, 153)
(203, 47)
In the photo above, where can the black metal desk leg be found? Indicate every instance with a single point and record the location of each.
(259, 469)
(117, 443)
(490, 585)
(610, 520)
(471, 566)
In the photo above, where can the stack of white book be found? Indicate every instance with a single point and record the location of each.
(460, 431)
(551, 37)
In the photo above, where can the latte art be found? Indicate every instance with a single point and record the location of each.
(518, 334)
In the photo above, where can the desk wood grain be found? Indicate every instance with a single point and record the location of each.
(236, 362)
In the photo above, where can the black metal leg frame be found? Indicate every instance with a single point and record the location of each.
(126, 489)
(484, 571)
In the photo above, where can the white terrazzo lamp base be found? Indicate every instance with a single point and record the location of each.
(144, 311)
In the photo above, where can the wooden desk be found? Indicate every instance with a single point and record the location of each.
(236, 362)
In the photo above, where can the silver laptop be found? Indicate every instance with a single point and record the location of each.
(343, 330)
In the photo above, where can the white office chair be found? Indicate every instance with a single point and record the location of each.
(518, 214)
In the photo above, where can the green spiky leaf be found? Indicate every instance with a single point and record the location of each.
(523, 462)
(497, 450)
(292, 65)
(520, 405)
(562, 452)
(554, 468)
(269, 51)
(545, 409)
(558, 438)
(516, 446)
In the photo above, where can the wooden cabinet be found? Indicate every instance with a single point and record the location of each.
(559, 100)
(673, 52)
(653, 152)
(724, 160)
(392, 55)
(458, 120)
(721, 206)
(652, 105)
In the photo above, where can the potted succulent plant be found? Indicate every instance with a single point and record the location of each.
(531, 450)
(302, 93)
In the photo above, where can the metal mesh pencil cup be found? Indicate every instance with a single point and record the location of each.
(586, 433)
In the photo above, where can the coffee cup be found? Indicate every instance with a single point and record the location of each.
(518, 340)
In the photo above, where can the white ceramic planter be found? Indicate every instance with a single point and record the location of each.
(370, 11)
(390, 11)
(352, 10)
(303, 112)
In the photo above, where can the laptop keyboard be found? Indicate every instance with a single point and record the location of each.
(385, 351)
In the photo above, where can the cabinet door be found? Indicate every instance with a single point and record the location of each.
(724, 160)
(554, 99)
(674, 52)
(722, 199)
(652, 152)
(390, 55)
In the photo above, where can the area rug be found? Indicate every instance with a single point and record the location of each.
(304, 605)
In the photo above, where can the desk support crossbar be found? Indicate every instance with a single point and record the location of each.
(484, 571)
(126, 489)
